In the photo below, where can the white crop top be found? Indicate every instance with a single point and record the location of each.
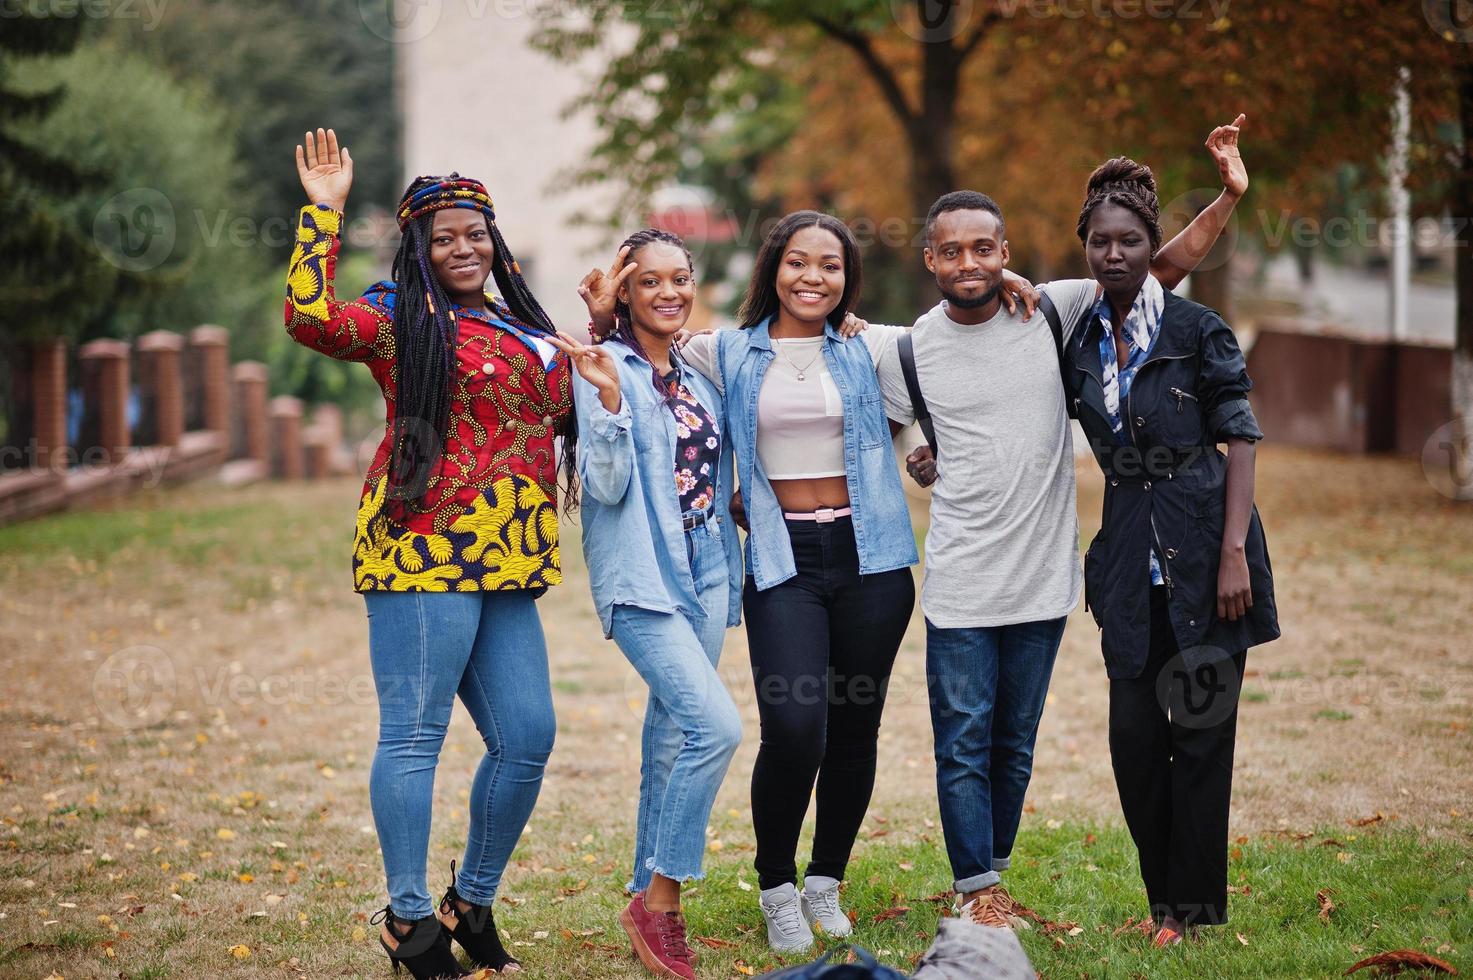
(800, 424)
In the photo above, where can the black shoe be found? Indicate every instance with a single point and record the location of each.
(474, 929)
(422, 946)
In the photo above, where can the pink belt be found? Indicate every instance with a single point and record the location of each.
(824, 515)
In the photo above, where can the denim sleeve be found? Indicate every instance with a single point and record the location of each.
(1223, 383)
(605, 445)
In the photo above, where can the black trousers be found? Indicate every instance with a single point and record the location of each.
(1172, 733)
(822, 646)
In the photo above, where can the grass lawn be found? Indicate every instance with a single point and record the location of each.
(187, 724)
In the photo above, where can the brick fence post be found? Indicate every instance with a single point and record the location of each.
(161, 389)
(207, 380)
(104, 365)
(48, 404)
(286, 438)
(249, 441)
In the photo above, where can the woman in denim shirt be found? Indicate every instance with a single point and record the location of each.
(829, 590)
(665, 568)
(1178, 577)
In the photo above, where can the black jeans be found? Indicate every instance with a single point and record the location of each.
(1172, 733)
(822, 645)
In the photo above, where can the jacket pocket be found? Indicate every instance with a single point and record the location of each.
(870, 423)
(1093, 571)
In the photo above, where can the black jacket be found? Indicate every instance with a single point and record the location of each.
(1166, 485)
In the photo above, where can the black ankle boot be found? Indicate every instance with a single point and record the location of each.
(474, 929)
(422, 946)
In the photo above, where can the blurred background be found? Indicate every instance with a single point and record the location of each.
(147, 182)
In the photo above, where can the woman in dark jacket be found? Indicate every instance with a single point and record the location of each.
(1178, 577)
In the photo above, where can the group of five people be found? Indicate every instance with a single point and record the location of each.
(785, 426)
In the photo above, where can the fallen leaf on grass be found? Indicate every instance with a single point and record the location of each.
(715, 943)
(1242, 939)
(893, 912)
(240, 951)
(1327, 905)
(744, 969)
(1398, 960)
(1367, 821)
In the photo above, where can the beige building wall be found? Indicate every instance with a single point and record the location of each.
(478, 99)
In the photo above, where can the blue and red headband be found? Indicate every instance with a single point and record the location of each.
(453, 191)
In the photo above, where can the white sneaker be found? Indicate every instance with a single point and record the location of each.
(786, 930)
(820, 901)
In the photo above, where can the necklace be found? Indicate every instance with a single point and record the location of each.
(805, 367)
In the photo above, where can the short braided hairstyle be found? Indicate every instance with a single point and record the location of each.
(1130, 185)
(623, 323)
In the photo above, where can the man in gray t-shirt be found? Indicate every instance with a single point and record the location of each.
(1002, 553)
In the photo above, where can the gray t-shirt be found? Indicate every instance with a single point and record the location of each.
(1003, 547)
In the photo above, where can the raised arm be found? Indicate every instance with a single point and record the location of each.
(1178, 257)
(357, 331)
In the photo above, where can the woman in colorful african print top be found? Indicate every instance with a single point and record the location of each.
(457, 529)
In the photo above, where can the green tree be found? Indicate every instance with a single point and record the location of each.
(278, 68)
(157, 202)
(53, 273)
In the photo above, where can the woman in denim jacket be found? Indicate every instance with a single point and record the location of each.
(1178, 577)
(829, 590)
(665, 568)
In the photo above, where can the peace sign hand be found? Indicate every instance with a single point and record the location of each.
(1222, 143)
(326, 173)
(600, 292)
(595, 365)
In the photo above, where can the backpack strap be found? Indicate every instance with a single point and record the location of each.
(905, 347)
(1055, 322)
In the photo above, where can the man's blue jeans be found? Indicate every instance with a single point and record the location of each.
(427, 648)
(987, 687)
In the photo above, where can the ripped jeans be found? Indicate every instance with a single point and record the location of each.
(691, 724)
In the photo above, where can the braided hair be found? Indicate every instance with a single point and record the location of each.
(425, 336)
(623, 323)
(1130, 185)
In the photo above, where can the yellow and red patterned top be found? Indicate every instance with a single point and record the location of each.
(488, 519)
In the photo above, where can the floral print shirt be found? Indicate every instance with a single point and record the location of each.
(697, 447)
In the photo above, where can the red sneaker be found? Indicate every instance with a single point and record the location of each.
(658, 939)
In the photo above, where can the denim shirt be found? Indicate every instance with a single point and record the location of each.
(633, 539)
(881, 517)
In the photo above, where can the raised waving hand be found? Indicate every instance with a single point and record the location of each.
(325, 170)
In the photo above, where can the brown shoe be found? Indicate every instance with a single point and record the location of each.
(989, 908)
(658, 939)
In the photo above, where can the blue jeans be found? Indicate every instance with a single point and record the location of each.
(427, 647)
(691, 724)
(987, 688)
